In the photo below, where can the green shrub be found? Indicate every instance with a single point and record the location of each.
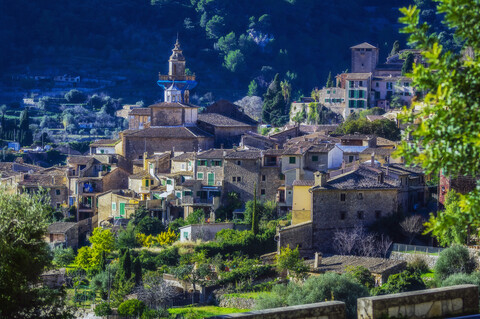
(150, 226)
(148, 260)
(418, 264)
(455, 259)
(62, 257)
(169, 257)
(132, 307)
(103, 309)
(329, 286)
(362, 275)
(402, 282)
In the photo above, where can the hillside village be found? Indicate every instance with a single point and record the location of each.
(179, 210)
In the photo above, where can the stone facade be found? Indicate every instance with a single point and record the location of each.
(321, 310)
(431, 303)
(299, 235)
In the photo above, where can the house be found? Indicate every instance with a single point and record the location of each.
(460, 184)
(302, 201)
(62, 234)
(226, 122)
(139, 118)
(193, 195)
(356, 198)
(91, 175)
(252, 140)
(183, 163)
(210, 166)
(116, 204)
(106, 146)
(205, 232)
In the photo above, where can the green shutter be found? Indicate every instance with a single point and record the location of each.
(211, 179)
(122, 209)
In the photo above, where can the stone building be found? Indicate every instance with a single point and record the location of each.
(252, 140)
(62, 234)
(210, 167)
(364, 58)
(115, 204)
(357, 198)
(106, 146)
(184, 162)
(226, 122)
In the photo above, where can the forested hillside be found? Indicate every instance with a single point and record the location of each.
(227, 43)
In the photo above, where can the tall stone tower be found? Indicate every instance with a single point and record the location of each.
(364, 58)
(176, 80)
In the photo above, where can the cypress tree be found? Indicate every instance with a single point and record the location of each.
(3, 128)
(137, 269)
(254, 212)
(407, 66)
(25, 136)
(103, 261)
(127, 265)
(274, 110)
(329, 83)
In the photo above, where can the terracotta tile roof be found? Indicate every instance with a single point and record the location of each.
(169, 132)
(248, 154)
(60, 227)
(378, 151)
(362, 178)
(214, 153)
(8, 169)
(184, 157)
(106, 142)
(140, 175)
(142, 111)
(273, 152)
(364, 45)
(80, 160)
(358, 76)
(221, 120)
(303, 182)
(384, 142)
(356, 137)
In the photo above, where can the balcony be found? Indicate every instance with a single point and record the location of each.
(166, 77)
(145, 189)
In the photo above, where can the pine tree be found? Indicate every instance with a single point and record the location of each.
(407, 66)
(25, 136)
(3, 128)
(329, 83)
(253, 89)
(103, 261)
(137, 269)
(274, 109)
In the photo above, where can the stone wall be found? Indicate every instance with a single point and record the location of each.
(297, 235)
(431, 260)
(227, 301)
(321, 310)
(249, 172)
(167, 116)
(430, 303)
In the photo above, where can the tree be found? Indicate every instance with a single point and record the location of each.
(362, 275)
(453, 260)
(25, 136)
(75, 96)
(102, 241)
(214, 27)
(150, 226)
(274, 109)
(126, 263)
(155, 291)
(227, 43)
(197, 217)
(329, 83)
(395, 48)
(192, 274)
(446, 136)
(132, 307)
(291, 261)
(408, 63)
(24, 255)
(62, 257)
(286, 91)
(402, 282)
(412, 226)
(253, 88)
(234, 61)
(137, 271)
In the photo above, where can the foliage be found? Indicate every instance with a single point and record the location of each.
(418, 264)
(402, 282)
(362, 275)
(447, 134)
(291, 261)
(103, 309)
(451, 225)
(75, 96)
(265, 211)
(407, 66)
(126, 238)
(204, 311)
(132, 307)
(242, 271)
(462, 279)
(23, 257)
(329, 82)
(176, 224)
(452, 260)
(166, 238)
(102, 241)
(274, 109)
(234, 61)
(329, 286)
(155, 291)
(197, 217)
(25, 136)
(62, 257)
(145, 240)
(253, 89)
(383, 128)
(232, 202)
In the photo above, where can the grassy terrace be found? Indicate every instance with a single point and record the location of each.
(205, 311)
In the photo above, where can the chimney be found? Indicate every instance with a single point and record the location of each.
(318, 260)
(372, 160)
(221, 146)
(320, 178)
(381, 177)
(276, 146)
(388, 164)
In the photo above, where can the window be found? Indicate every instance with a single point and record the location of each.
(360, 214)
(183, 166)
(282, 177)
(234, 179)
(351, 103)
(187, 193)
(377, 95)
(169, 182)
(239, 179)
(378, 214)
(389, 85)
(328, 91)
(178, 195)
(342, 197)
(343, 215)
(350, 84)
(216, 163)
(262, 191)
(199, 175)
(351, 93)
(239, 162)
(185, 234)
(291, 160)
(350, 158)
(360, 83)
(377, 84)
(315, 158)
(264, 178)
(333, 91)
(360, 196)
(202, 163)
(58, 205)
(406, 84)
(57, 192)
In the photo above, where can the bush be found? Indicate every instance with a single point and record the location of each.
(455, 259)
(169, 257)
(150, 226)
(103, 309)
(418, 264)
(329, 286)
(62, 257)
(132, 307)
(402, 282)
(362, 275)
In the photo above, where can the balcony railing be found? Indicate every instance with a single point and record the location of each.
(166, 77)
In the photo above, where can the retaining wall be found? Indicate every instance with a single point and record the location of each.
(430, 303)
